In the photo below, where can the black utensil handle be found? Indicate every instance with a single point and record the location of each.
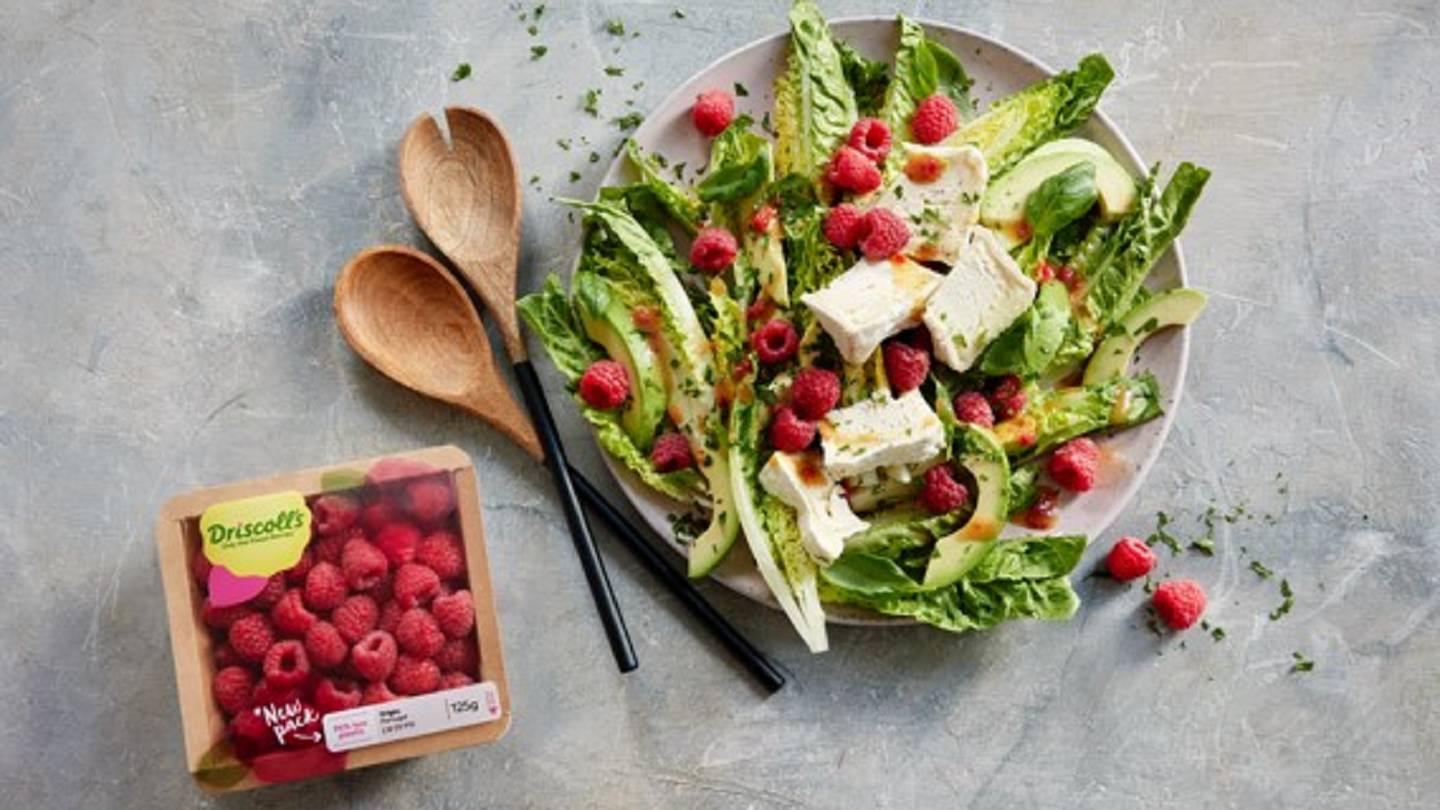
(679, 585)
(590, 561)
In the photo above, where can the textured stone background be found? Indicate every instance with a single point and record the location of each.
(180, 182)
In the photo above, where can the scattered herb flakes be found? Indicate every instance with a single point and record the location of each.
(1288, 597)
(765, 124)
(563, 143)
(612, 70)
(535, 180)
(592, 103)
(594, 157)
(741, 91)
(637, 85)
(678, 14)
(462, 72)
(539, 11)
(1203, 545)
(574, 177)
(679, 170)
(1217, 633)
(1261, 570)
(615, 28)
(532, 30)
(629, 122)
(1160, 535)
(537, 51)
(1302, 663)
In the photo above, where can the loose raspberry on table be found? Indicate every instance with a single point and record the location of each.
(376, 692)
(1075, 464)
(713, 112)
(850, 170)
(444, 553)
(286, 664)
(775, 342)
(885, 234)
(671, 453)
(942, 493)
(1009, 398)
(1129, 559)
(335, 512)
(295, 574)
(815, 392)
(373, 657)
(222, 618)
(419, 634)
(871, 138)
(604, 385)
(455, 680)
(363, 564)
(934, 119)
(459, 655)
(454, 614)
(252, 636)
(290, 616)
(844, 226)
(972, 408)
(414, 676)
(789, 433)
(233, 688)
(397, 542)
(906, 366)
(336, 695)
(429, 500)
(1180, 602)
(415, 584)
(325, 587)
(379, 514)
(713, 250)
(356, 616)
(325, 646)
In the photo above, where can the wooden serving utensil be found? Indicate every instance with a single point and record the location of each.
(406, 315)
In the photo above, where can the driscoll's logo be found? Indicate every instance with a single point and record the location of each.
(258, 536)
(281, 523)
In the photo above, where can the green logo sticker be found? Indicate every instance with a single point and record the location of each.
(256, 537)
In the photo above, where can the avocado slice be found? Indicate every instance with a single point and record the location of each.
(607, 321)
(1003, 207)
(1177, 307)
(958, 552)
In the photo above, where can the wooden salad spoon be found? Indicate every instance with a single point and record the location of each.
(406, 315)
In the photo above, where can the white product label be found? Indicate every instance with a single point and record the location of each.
(411, 717)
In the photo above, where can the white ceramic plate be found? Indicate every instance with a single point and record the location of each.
(997, 70)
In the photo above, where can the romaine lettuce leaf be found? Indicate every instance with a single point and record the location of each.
(1029, 345)
(814, 104)
(923, 68)
(1055, 416)
(681, 204)
(869, 79)
(551, 316)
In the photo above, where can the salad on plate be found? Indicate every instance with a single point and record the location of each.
(882, 336)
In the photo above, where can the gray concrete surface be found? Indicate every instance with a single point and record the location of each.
(180, 182)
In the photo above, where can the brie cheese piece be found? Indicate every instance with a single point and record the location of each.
(880, 432)
(870, 302)
(982, 295)
(824, 516)
(937, 192)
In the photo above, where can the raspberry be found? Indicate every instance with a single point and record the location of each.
(443, 552)
(325, 646)
(429, 500)
(885, 234)
(267, 693)
(789, 433)
(1179, 602)
(670, 453)
(334, 513)
(355, 617)
(870, 138)
(376, 692)
(252, 636)
(459, 655)
(389, 619)
(329, 547)
(223, 618)
(200, 566)
(295, 574)
(290, 615)
(373, 657)
(906, 367)
(851, 171)
(1009, 397)
(325, 587)
(775, 342)
(935, 117)
(419, 634)
(397, 469)
(761, 220)
(814, 393)
(843, 226)
(713, 249)
(455, 680)
(415, 585)
(1129, 559)
(604, 385)
(455, 614)
(225, 656)
(397, 542)
(942, 493)
(232, 688)
(251, 734)
(363, 564)
(336, 695)
(414, 676)
(378, 515)
(1075, 464)
(286, 664)
(713, 112)
(972, 407)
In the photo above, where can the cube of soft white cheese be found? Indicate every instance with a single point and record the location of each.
(937, 193)
(982, 295)
(880, 432)
(870, 302)
(824, 516)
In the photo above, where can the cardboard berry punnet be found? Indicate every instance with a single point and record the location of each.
(331, 619)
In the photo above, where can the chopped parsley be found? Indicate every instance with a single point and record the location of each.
(592, 103)
(612, 70)
(615, 28)
(629, 122)
(574, 177)
(1160, 535)
(563, 143)
(537, 51)
(741, 91)
(678, 14)
(462, 72)
(1302, 663)
(1261, 570)
(594, 157)
(1289, 601)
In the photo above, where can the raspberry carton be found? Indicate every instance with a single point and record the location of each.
(332, 619)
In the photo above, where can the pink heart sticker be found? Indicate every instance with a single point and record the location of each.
(228, 589)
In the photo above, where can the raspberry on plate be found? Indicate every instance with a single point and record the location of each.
(1180, 602)
(850, 170)
(713, 250)
(844, 226)
(885, 234)
(934, 119)
(671, 453)
(775, 342)
(906, 366)
(871, 138)
(789, 433)
(373, 657)
(604, 385)
(1075, 464)
(815, 392)
(1129, 559)
(972, 408)
(713, 112)
(1009, 397)
(942, 493)
(232, 688)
